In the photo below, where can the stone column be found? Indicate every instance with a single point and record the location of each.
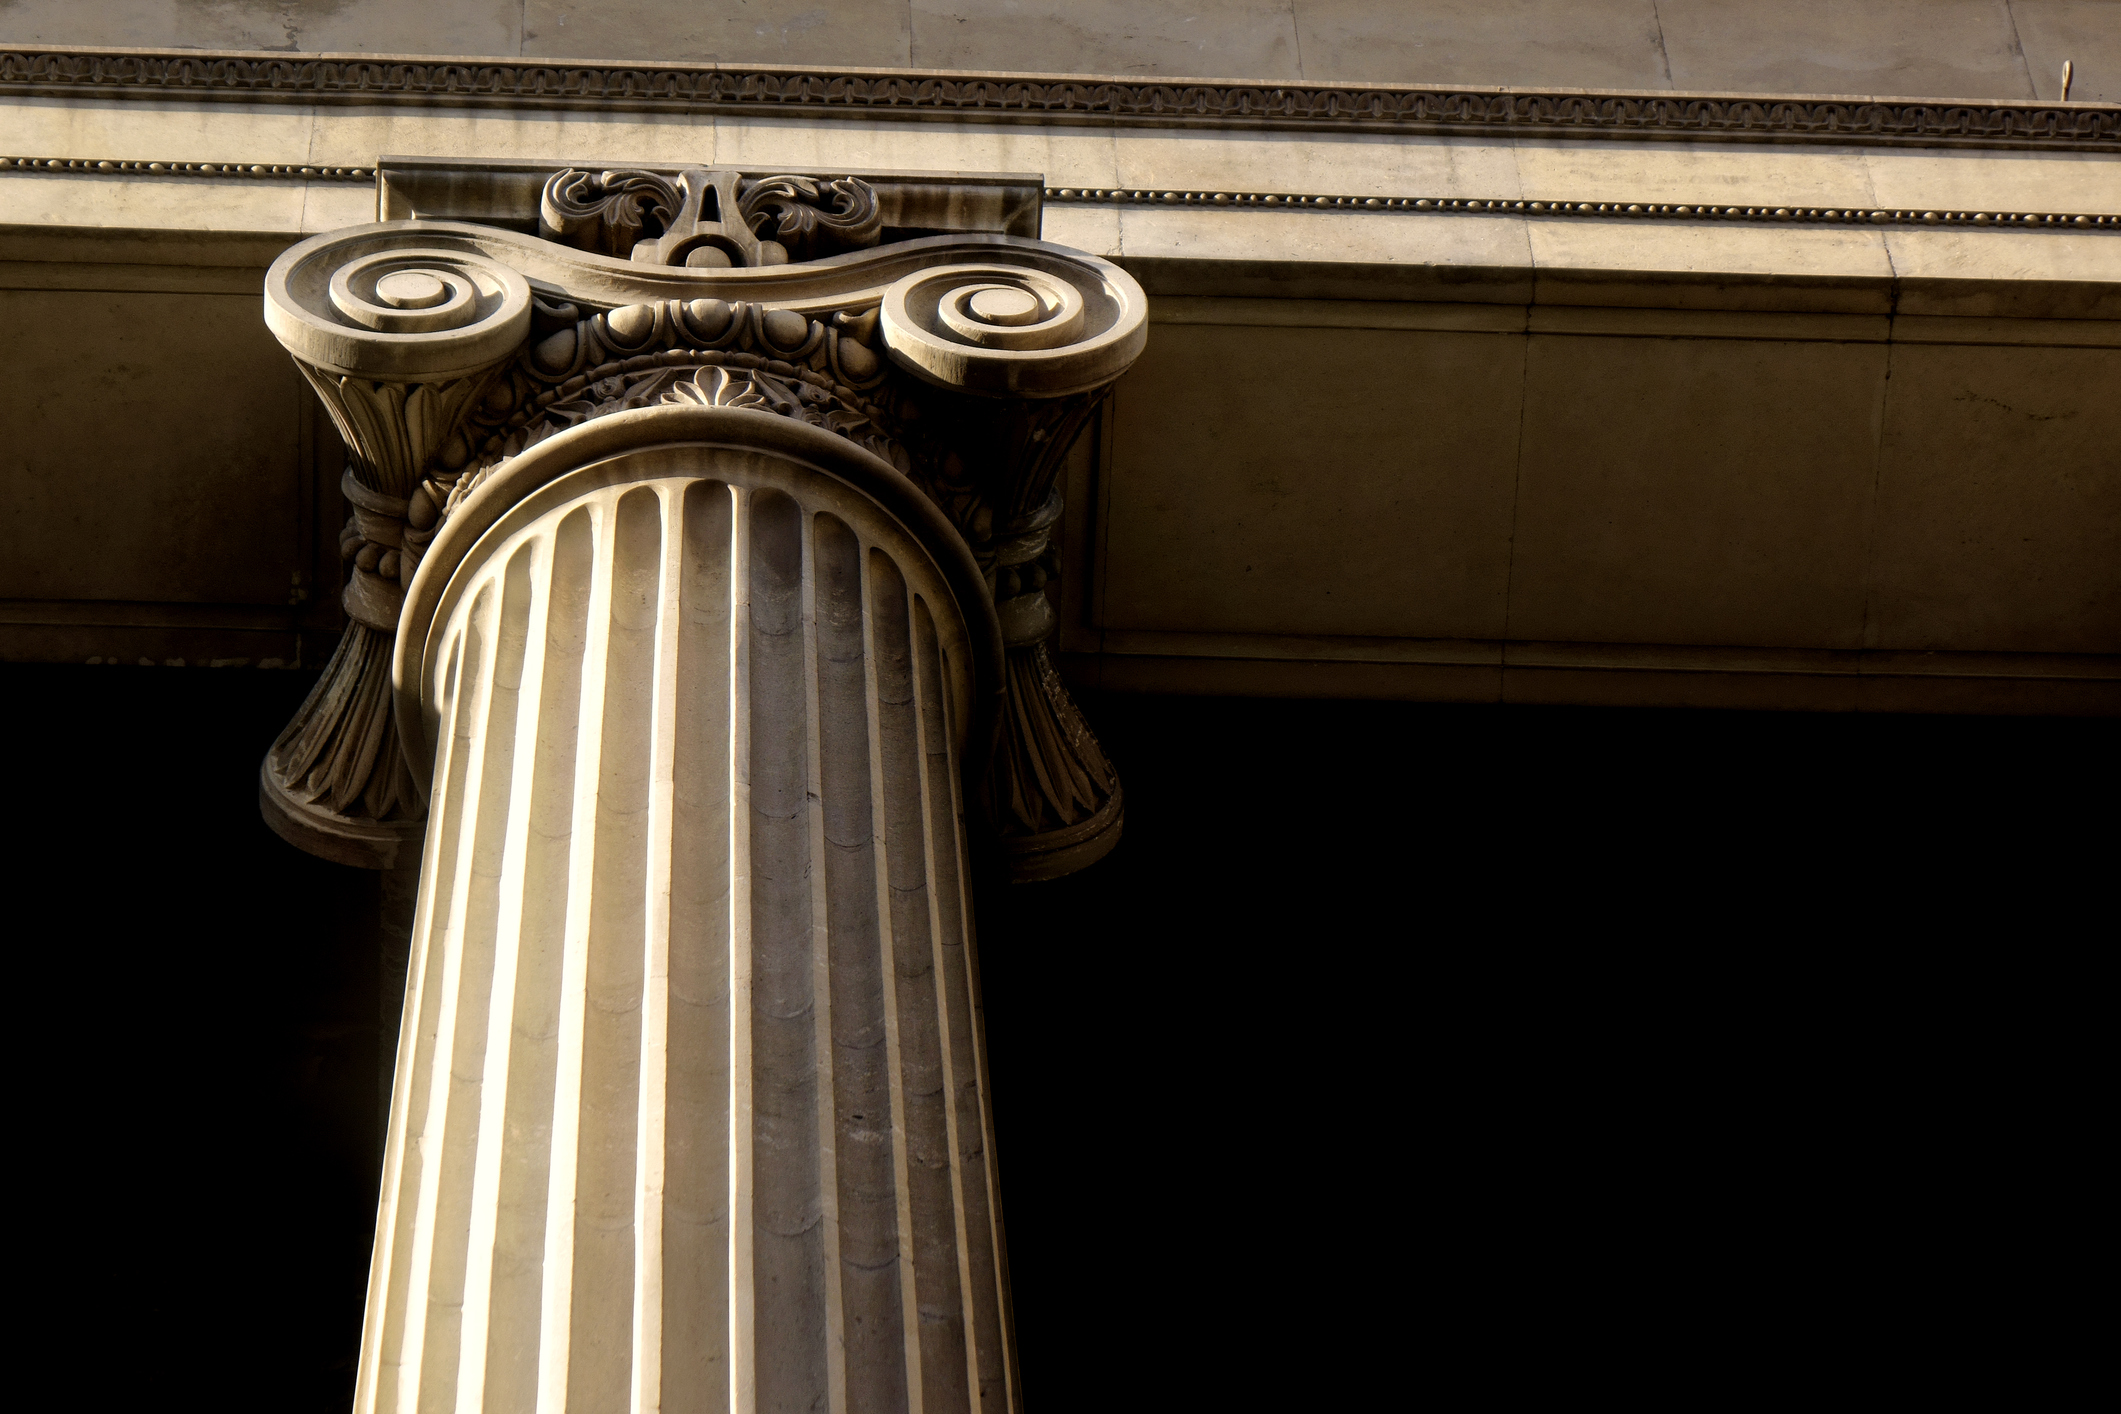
(695, 643)
(689, 1107)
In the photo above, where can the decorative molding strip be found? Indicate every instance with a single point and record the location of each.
(1429, 206)
(1248, 201)
(869, 94)
(89, 166)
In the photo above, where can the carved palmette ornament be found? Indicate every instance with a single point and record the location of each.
(968, 365)
(813, 217)
(606, 212)
(827, 372)
(708, 218)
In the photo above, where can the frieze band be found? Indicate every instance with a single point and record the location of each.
(1051, 98)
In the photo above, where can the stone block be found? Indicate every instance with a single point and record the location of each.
(1251, 39)
(360, 136)
(327, 206)
(136, 130)
(130, 481)
(1899, 48)
(1669, 491)
(2087, 33)
(1331, 255)
(1333, 481)
(1949, 179)
(1999, 502)
(871, 33)
(2006, 274)
(1691, 173)
(150, 203)
(1710, 265)
(1524, 43)
(489, 27)
(1300, 164)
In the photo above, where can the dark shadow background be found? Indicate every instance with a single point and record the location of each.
(1397, 1047)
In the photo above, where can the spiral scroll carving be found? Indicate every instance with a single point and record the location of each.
(1029, 348)
(357, 303)
(812, 218)
(400, 342)
(606, 212)
(1040, 330)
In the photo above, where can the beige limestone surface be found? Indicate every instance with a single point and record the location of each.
(129, 481)
(1925, 48)
(1308, 451)
(1998, 503)
(1676, 490)
(1075, 155)
(1832, 511)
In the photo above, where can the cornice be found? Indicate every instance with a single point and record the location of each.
(1751, 211)
(870, 94)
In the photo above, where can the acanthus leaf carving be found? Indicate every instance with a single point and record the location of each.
(708, 217)
(607, 212)
(400, 343)
(813, 217)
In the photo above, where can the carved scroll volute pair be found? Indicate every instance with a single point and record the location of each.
(968, 364)
(708, 219)
(1026, 355)
(399, 341)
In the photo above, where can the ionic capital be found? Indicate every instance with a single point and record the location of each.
(967, 363)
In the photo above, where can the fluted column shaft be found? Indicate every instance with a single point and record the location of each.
(689, 1108)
